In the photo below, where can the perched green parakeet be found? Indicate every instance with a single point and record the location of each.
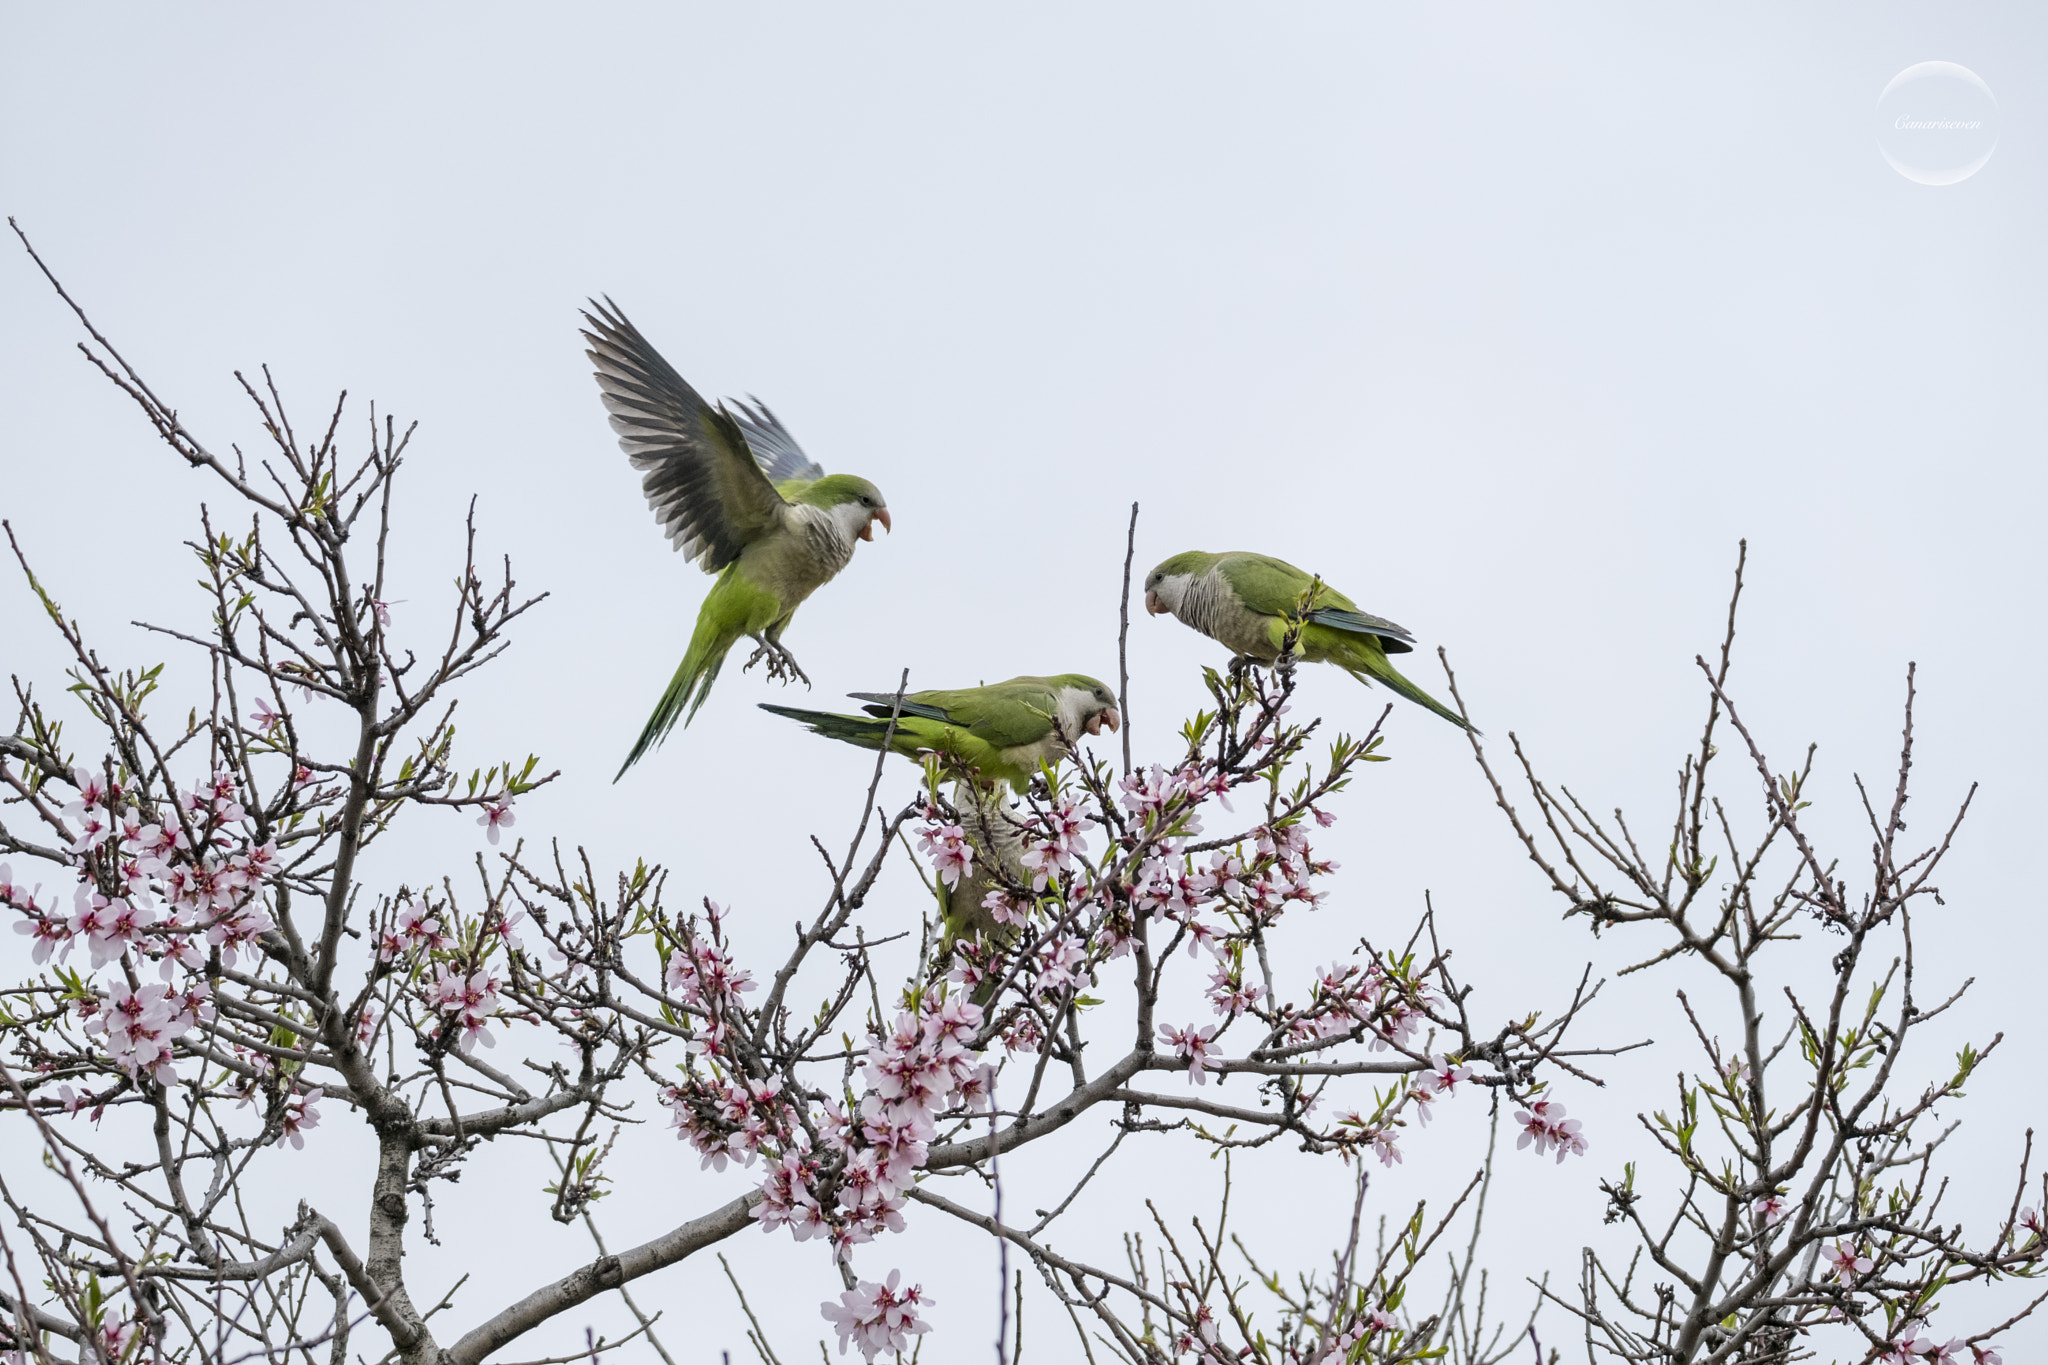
(735, 493)
(1244, 600)
(1001, 733)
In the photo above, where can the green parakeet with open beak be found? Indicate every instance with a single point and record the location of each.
(1001, 733)
(1244, 602)
(735, 493)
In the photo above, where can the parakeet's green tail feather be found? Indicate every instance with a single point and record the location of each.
(861, 730)
(1363, 662)
(690, 686)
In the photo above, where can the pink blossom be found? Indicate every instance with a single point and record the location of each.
(115, 1337)
(92, 791)
(264, 717)
(946, 845)
(470, 999)
(978, 1091)
(1770, 1208)
(1046, 859)
(1546, 1128)
(1023, 1035)
(94, 825)
(1229, 994)
(13, 893)
(1193, 1045)
(496, 817)
(505, 928)
(1067, 823)
(47, 933)
(115, 925)
(1443, 1077)
(233, 932)
(878, 1317)
(1006, 909)
(787, 1201)
(1062, 963)
(1910, 1347)
(1848, 1261)
(73, 1101)
(300, 1113)
(417, 926)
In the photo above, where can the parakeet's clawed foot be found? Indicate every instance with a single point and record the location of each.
(782, 665)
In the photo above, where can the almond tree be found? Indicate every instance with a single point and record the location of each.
(212, 984)
(1802, 1205)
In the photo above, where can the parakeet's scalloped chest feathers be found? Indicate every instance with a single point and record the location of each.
(733, 491)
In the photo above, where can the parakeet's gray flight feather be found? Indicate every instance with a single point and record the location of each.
(774, 447)
(701, 478)
(882, 703)
(1394, 639)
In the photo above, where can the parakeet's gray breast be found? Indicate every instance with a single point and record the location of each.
(1212, 608)
(826, 545)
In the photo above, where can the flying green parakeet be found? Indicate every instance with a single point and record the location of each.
(735, 493)
(1244, 600)
(1001, 733)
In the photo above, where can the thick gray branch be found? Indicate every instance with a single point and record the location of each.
(601, 1276)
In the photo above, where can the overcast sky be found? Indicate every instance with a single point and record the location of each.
(1511, 321)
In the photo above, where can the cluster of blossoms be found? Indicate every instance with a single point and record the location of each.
(1442, 1077)
(139, 1025)
(153, 886)
(1545, 1128)
(150, 866)
(467, 1000)
(415, 927)
(1061, 833)
(1215, 905)
(1912, 1346)
(878, 1317)
(1346, 1346)
(702, 974)
(853, 1187)
(947, 846)
(1351, 996)
(453, 977)
(848, 1183)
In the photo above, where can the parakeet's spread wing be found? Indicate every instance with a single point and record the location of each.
(1273, 587)
(699, 475)
(773, 446)
(1002, 715)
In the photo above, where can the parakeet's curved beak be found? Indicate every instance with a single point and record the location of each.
(1100, 719)
(867, 532)
(1153, 604)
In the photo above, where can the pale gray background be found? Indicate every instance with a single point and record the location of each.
(1509, 320)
